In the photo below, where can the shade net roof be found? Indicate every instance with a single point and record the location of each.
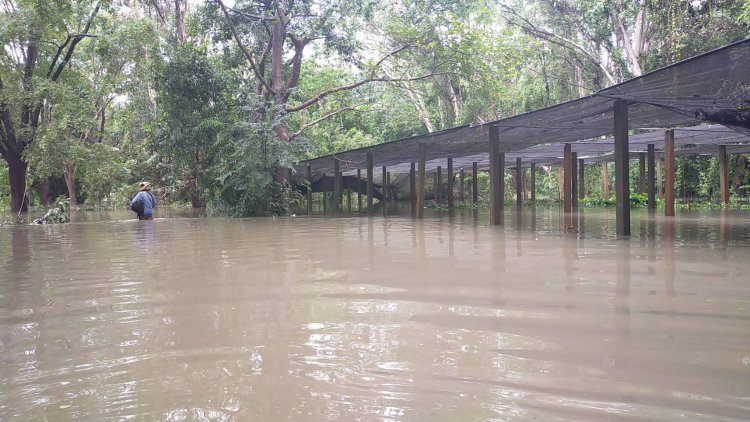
(710, 88)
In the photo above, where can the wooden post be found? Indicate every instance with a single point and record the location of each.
(325, 196)
(581, 186)
(641, 172)
(567, 179)
(420, 181)
(474, 193)
(349, 200)
(574, 178)
(309, 189)
(384, 191)
(370, 187)
(435, 184)
(413, 189)
(651, 185)
(605, 181)
(336, 186)
(438, 183)
(533, 183)
(519, 183)
(622, 182)
(359, 190)
(659, 186)
(461, 193)
(669, 173)
(724, 174)
(497, 170)
(449, 177)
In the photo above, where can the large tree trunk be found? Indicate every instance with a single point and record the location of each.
(70, 182)
(17, 172)
(43, 189)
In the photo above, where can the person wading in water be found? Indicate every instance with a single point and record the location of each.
(144, 202)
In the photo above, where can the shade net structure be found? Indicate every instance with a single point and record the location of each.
(710, 88)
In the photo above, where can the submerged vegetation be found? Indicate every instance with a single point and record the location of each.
(213, 101)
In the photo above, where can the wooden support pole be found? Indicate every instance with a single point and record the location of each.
(359, 190)
(370, 186)
(497, 170)
(641, 172)
(581, 186)
(449, 177)
(349, 200)
(474, 192)
(605, 181)
(567, 179)
(325, 196)
(420, 181)
(435, 185)
(669, 173)
(659, 185)
(438, 183)
(622, 172)
(461, 192)
(413, 189)
(519, 183)
(336, 186)
(384, 191)
(309, 190)
(533, 183)
(724, 174)
(574, 178)
(650, 182)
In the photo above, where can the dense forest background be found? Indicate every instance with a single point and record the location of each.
(211, 101)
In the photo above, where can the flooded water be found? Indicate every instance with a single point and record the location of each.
(372, 319)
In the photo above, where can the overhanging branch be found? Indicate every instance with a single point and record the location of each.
(318, 120)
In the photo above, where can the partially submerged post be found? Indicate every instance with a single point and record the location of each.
(413, 189)
(605, 181)
(438, 182)
(533, 183)
(449, 176)
(497, 185)
(474, 193)
(567, 179)
(581, 186)
(461, 193)
(641, 172)
(622, 182)
(359, 190)
(309, 189)
(574, 178)
(336, 186)
(420, 181)
(651, 185)
(724, 174)
(370, 188)
(384, 191)
(669, 173)
(519, 183)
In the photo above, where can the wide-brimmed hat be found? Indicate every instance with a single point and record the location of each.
(144, 186)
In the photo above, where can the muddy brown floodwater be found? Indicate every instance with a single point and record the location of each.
(372, 319)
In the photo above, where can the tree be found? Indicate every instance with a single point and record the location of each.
(40, 45)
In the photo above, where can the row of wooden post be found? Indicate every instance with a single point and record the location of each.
(573, 177)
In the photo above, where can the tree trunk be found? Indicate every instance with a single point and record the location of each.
(70, 182)
(17, 172)
(43, 189)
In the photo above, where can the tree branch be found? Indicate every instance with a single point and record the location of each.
(318, 120)
(372, 78)
(532, 30)
(244, 50)
(76, 39)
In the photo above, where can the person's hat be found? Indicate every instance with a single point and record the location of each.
(144, 186)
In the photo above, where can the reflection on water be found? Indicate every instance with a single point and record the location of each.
(378, 319)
